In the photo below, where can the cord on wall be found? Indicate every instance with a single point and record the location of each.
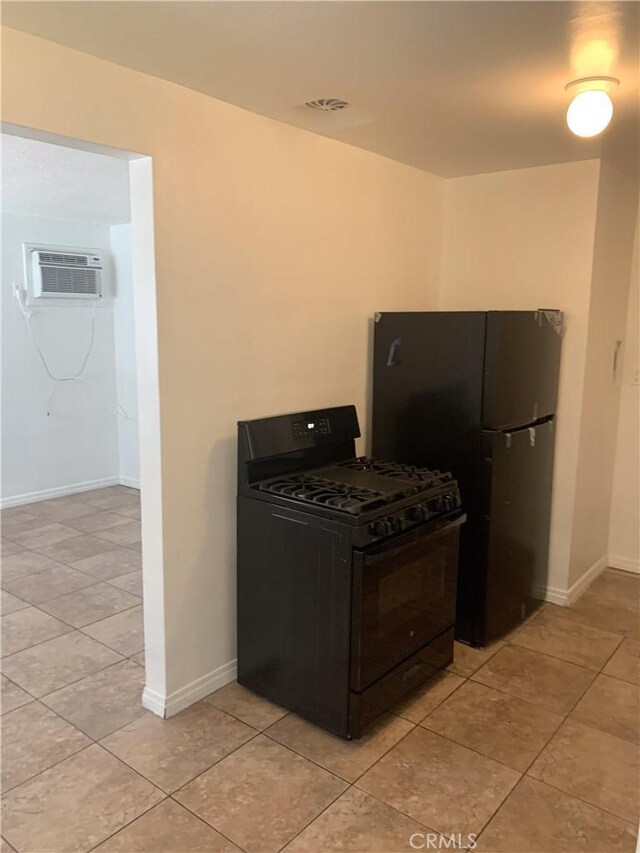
(120, 410)
(20, 294)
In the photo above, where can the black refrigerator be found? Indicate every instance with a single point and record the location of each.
(475, 393)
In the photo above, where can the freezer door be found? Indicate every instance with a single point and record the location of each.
(517, 523)
(521, 365)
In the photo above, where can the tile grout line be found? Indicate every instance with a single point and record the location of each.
(68, 624)
(406, 814)
(501, 806)
(76, 534)
(438, 704)
(588, 624)
(82, 749)
(102, 642)
(206, 822)
(578, 797)
(74, 564)
(255, 734)
(124, 826)
(74, 726)
(491, 757)
(566, 717)
(334, 772)
(239, 719)
(84, 678)
(95, 622)
(74, 567)
(157, 787)
(353, 786)
(601, 670)
(41, 571)
(320, 813)
(273, 740)
(15, 684)
(76, 680)
(621, 638)
(188, 782)
(59, 636)
(60, 760)
(548, 655)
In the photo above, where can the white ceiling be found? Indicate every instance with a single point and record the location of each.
(40, 179)
(451, 87)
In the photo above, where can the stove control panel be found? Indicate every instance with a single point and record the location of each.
(407, 518)
(311, 426)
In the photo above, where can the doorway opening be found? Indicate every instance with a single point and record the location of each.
(82, 579)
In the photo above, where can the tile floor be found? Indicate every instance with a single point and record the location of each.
(531, 744)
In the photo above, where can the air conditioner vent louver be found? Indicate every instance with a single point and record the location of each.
(327, 104)
(66, 260)
(73, 282)
(66, 275)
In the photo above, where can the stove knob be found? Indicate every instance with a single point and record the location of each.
(378, 528)
(394, 524)
(415, 513)
(447, 502)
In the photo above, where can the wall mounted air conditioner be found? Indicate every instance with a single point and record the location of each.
(66, 275)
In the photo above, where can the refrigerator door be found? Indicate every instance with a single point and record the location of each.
(518, 500)
(521, 365)
(427, 388)
(540, 492)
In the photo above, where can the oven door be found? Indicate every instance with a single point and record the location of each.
(404, 595)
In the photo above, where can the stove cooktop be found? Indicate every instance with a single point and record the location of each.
(358, 485)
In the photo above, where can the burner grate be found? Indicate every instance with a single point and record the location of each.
(398, 470)
(355, 499)
(319, 490)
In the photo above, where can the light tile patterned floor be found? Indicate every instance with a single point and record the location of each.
(531, 744)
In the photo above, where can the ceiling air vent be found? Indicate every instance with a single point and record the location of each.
(327, 105)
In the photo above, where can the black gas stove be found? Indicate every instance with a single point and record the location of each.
(380, 498)
(347, 569)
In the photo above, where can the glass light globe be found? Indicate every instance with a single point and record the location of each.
(589, 113)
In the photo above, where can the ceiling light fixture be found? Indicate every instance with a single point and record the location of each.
(591, 109)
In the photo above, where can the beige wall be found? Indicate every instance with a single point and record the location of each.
(522, 240)
(274, 247)
(617, 205)
(624, 531)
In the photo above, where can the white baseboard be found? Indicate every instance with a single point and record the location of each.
(576, 590)
(167, 706)
(129, 482)
(565, 597)
(63, 491)
(627, 564)
(58, 492)
(153, 702)
(552, 594)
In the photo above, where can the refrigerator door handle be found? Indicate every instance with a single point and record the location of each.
(616, 356)
(394, 358)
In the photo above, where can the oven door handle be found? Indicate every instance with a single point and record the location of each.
(420, 534)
